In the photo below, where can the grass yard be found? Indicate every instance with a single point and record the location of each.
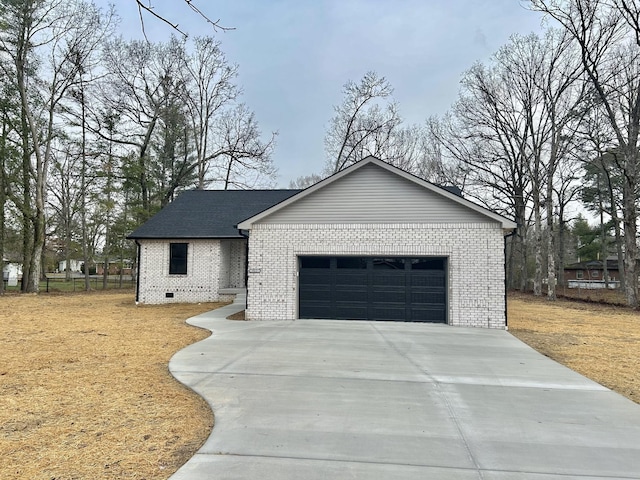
(601, 342)
(85, 391)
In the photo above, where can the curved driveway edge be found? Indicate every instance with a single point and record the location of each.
(367, 400)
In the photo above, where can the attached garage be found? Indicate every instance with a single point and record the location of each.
(373, 288)
(373, 242)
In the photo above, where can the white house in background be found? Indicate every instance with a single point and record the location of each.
(371, 242)
(11, 272)
(75, 266)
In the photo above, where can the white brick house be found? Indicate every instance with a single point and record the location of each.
(374, 242)
(191, 251)
(371, 242)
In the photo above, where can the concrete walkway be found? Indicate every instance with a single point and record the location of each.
(320, 399)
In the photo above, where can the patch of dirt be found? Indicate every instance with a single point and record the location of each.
(237, 316)
(601, 342)
(85, 391)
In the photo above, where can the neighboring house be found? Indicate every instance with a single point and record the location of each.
(115, 267)
(371, 242)
(591, 274)
(11, 272)
(74, 266)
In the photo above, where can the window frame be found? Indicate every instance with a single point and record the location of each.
(175, 257)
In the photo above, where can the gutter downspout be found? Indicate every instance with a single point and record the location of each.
(138, 271)
(506, 319)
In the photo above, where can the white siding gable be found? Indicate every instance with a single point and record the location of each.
(374, 195)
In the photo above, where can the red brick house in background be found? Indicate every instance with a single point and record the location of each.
(115, 268)
(591, 274)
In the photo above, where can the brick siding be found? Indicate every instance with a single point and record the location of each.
(475, 263)
(211, 265)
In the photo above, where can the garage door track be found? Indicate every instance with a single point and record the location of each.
(318, 399)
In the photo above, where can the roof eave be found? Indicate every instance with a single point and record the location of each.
(189, 237)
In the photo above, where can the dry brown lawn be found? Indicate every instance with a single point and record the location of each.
(601, 342)
(85, 392)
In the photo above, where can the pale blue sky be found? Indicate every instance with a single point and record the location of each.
(295, 55)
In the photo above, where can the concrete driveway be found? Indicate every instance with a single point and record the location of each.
(319, 399)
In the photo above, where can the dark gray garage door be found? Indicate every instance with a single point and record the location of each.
(373, 288)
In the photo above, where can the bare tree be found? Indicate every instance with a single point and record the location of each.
(149, 9)
(46, 34)
(242, 158)
(144, 81)
(608, 36)
(305, 181)
(65, 201)
(209, 90)
(487, 133)
(362, 124)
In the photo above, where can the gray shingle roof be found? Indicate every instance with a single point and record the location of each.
(208, 213)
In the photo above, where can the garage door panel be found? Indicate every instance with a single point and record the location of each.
(388, 313)
(391, 279)
(432, 315)
(381, 296)
(427, 279)
(438, 298)
(311, 310)
(348, 311)
(346, 277)
(315, 292)
(368, 288)
(352, 295)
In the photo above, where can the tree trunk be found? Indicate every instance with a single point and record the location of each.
(630, 226)
(551, 250)
(537, 279)
(3, 199)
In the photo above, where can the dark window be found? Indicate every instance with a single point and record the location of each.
(178, 258)
(595, 273)
(352, 262)
(427, 264)
(388, 263)
(315, 262)
(579, 274)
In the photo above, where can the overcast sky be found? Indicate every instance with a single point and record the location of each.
(294, 56)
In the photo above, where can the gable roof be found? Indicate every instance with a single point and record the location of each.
(440, 191)
(208, 213)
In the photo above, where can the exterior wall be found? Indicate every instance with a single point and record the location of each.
(74, 265)
(374, 195)
(475, 252)
(237, 263)
(590, 274)
(200, 284)
(233, 260)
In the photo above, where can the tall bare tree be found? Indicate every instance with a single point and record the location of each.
(608, 36)
(487, 133)
(43, 39)
(144, 79)
(210, 89)
(362, 124)
(242, 158)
